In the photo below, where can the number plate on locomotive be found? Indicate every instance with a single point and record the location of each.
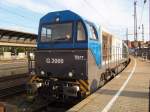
(54, 60)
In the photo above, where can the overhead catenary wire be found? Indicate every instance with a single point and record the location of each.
(113, 28)
(19, 25)
(16, 14)
(97, 11)
(12, 23)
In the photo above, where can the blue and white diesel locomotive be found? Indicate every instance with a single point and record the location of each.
(74, 56)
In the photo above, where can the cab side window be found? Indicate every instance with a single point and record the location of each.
(46, 34)
(43, 34)
(80, 32)
(93, 32)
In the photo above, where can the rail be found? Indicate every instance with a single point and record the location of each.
(10, 85)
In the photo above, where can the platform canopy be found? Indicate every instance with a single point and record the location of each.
(17, 38)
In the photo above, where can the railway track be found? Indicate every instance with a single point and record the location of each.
(19, 103)
(16, 84)
(10, 85)
(44, 105)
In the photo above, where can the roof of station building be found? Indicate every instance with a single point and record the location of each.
(14, 33)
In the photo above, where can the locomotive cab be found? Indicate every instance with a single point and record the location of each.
(60, 47)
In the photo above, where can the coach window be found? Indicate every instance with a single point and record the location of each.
(80, 32)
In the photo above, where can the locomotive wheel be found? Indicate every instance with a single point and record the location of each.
(102, 80)
(113, 74)
(116, 70)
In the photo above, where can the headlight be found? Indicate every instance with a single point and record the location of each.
(32, 72)
(42, 72)
(77, 88)
(70, 74)
(32, 56)
(38, 85)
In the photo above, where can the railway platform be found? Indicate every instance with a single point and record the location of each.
(13, 77)
(9, 68)
(127, 92)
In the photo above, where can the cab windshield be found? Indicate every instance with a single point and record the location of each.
(56, 32)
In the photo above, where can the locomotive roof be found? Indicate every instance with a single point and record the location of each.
(68, 15)
(65, 15)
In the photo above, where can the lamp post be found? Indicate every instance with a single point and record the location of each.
(149, 21)
(135, 21)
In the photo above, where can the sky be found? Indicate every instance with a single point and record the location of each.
(114, 15)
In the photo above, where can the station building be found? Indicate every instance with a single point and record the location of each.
(16, 44)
